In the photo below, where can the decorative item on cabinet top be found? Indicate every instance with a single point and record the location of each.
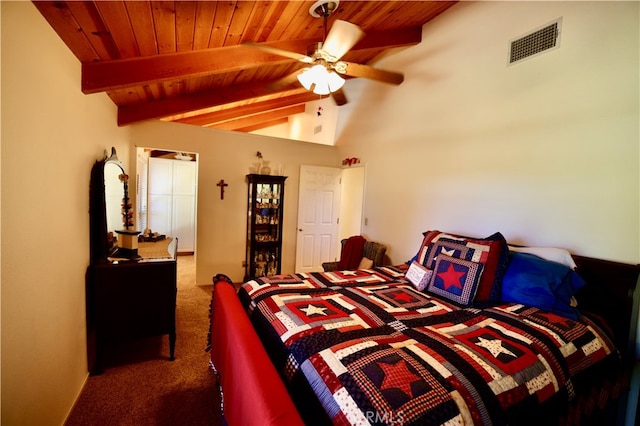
(264, 167)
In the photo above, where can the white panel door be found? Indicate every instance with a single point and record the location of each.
(160, 195)
(183, 224)
(160, 176)
(160, 213)
(172, 200)
(184, 204)
(318, 209)
(184, 178)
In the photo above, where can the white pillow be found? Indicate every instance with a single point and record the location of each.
(418, 275)
(365, 263)
(553, 254)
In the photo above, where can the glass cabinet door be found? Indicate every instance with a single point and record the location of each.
(264, 228)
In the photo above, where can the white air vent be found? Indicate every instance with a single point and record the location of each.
(536, 42)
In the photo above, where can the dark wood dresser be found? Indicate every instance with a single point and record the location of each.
(130, 293)
(129, 300)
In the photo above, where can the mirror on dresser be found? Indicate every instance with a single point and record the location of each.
(111, 211)
(115, 194)
(128, 295)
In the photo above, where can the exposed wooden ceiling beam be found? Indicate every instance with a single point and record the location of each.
(211, 118)
(255, 119)
(144, 111)
(263, 125)
(118, 74)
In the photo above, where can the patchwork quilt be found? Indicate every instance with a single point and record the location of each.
(375, 350)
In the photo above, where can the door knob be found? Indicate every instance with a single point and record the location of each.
(300, 229)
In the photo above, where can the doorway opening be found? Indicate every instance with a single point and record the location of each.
(167, 195)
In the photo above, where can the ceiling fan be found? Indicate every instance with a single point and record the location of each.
(322, 76)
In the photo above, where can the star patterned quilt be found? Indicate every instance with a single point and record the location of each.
(375, 350)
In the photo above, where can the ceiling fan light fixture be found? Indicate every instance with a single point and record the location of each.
(322, 88)
(335, 81)
(309, 76)
(319, 80)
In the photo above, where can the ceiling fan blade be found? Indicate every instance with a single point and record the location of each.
(274, 50)
(284, 82)
(366, 71)
(339, 97)
(342, 37)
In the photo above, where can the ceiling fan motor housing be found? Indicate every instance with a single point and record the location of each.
(313, 48)
(323, 8)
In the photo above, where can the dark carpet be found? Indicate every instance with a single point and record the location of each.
(140, 386)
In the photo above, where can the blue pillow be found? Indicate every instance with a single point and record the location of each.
(413, 259)
(547, 285)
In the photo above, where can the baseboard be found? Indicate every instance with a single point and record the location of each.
(77, 397)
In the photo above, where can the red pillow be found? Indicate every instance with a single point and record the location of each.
(491, 252)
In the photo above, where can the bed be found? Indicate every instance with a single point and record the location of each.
(469, 331)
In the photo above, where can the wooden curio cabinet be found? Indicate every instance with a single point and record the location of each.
(264, 225)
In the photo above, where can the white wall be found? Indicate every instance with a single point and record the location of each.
(351, 201)
(52, 135)
(317, 124)
(545, 151)
(221, 227)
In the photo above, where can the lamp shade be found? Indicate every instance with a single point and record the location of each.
(306, 78)
(335, 81)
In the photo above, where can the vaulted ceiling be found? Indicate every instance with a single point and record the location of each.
(186, 61)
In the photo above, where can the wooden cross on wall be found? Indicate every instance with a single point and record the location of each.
(221, 184)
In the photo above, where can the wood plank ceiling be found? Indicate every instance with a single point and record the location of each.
(184, 61)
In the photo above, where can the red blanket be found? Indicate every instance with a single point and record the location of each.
(253, 391)
(351, 253)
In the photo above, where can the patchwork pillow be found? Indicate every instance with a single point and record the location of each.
(455, 279)
(491, 252)
(454, 248)
(418, 275)
(533, 281)
(429, 236)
